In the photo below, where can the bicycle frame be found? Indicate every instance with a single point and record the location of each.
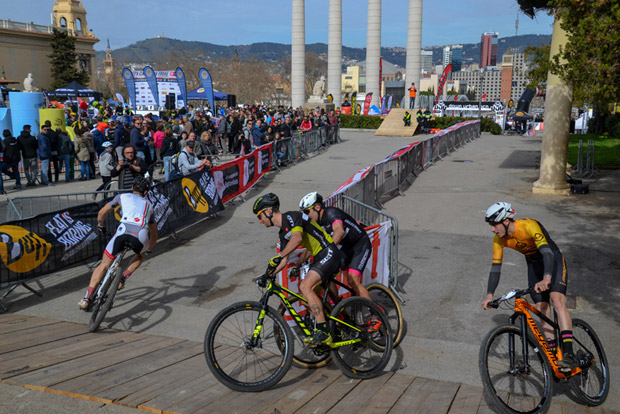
(522, 311)
(275, 289)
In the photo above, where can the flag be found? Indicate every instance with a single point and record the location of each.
(442, 80)
(130, 83)
(180, 75)
(151, 80)
(367, 103)
(207, 84)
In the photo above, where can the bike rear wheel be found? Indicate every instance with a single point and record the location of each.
(103, 302)
(304, 356)
(383, 296)
(363, 359)
(592, 384)
(514, 385)
(235, 361)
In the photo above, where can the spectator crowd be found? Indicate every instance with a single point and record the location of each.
(124, 146)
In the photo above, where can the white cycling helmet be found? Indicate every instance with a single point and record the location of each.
(310, 200)
(498, 212)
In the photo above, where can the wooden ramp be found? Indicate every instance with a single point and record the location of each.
(393, 125)
(167, 375)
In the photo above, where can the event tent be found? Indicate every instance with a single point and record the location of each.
(200, 95)
(72, 90)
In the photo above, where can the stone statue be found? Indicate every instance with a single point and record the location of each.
(28, 83)
(319, 88)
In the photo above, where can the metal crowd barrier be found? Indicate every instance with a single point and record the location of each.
(383, 181)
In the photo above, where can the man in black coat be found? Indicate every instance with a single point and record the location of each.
(12, 157)
(29, 145)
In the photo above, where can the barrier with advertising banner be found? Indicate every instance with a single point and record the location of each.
(377, 270)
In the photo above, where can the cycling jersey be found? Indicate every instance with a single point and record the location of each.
(314, 238)
(530, 238)
(136, 210)
(352, 229)
(541, 254)
(136, 215)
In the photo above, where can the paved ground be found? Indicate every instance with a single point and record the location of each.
(445, 250)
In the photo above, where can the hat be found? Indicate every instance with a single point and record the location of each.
(106, 144)
(190, 143)
(6, 133)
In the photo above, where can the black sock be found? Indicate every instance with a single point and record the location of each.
(321, 326)
(553, 346)
(567, 342)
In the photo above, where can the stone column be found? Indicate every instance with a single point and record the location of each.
(298, 54)
(558, 102)
(414, 49)
(373, 50)
(334, 52)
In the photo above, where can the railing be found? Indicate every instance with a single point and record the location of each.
(31, 27)
(382, 181)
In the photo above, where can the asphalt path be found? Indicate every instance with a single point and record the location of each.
(444, 254)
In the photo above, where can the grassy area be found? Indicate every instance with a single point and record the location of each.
(606, 150)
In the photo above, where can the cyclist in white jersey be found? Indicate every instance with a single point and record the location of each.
(138, 228)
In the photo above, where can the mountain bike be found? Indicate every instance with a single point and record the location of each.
(306, 357)
(103, 298)
(518, 368)
(249, 346)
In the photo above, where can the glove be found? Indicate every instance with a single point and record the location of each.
(273, 264)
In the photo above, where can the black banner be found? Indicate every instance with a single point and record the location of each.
(53, 241)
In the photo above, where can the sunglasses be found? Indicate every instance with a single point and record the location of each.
(259, 213)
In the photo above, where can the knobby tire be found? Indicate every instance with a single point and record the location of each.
(104, 303)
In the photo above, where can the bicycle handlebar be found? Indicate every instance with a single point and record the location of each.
(516, 293)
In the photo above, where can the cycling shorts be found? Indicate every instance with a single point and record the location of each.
(356, 257)
(135, 236)
(559, 278)
(327, 262)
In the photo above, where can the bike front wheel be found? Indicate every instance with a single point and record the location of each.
(514, 384)
(240, 361)
(105, 295)
(365, 325)
(592, 384)
(383, 296)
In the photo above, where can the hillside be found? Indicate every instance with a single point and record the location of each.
(158, 49)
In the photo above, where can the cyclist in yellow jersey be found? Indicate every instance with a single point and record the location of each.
(546, 271)
(297, 229)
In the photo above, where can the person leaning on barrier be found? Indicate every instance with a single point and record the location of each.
(188, 161)
(128, 168)
(208, 149)
(242, 145)
(137, 227)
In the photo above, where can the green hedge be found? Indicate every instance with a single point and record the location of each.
(606, 150)
(486, 125)
(360, 121)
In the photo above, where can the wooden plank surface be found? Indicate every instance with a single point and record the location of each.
(65, 350)
(467, 400)
(323, 402)
(94, 383)
(390, 393)
(149, 386)
(169, 375)
(313, 385)
(46, 377)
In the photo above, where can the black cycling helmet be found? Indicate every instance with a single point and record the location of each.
(141, 185)
(265, 201)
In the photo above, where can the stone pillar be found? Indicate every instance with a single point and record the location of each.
(298, 54)
(558, 102)
(414, 49)
(334, 52)
(373, 50)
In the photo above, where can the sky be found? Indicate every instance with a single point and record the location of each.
(240, 22)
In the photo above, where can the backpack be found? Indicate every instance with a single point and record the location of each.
(174, 165)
